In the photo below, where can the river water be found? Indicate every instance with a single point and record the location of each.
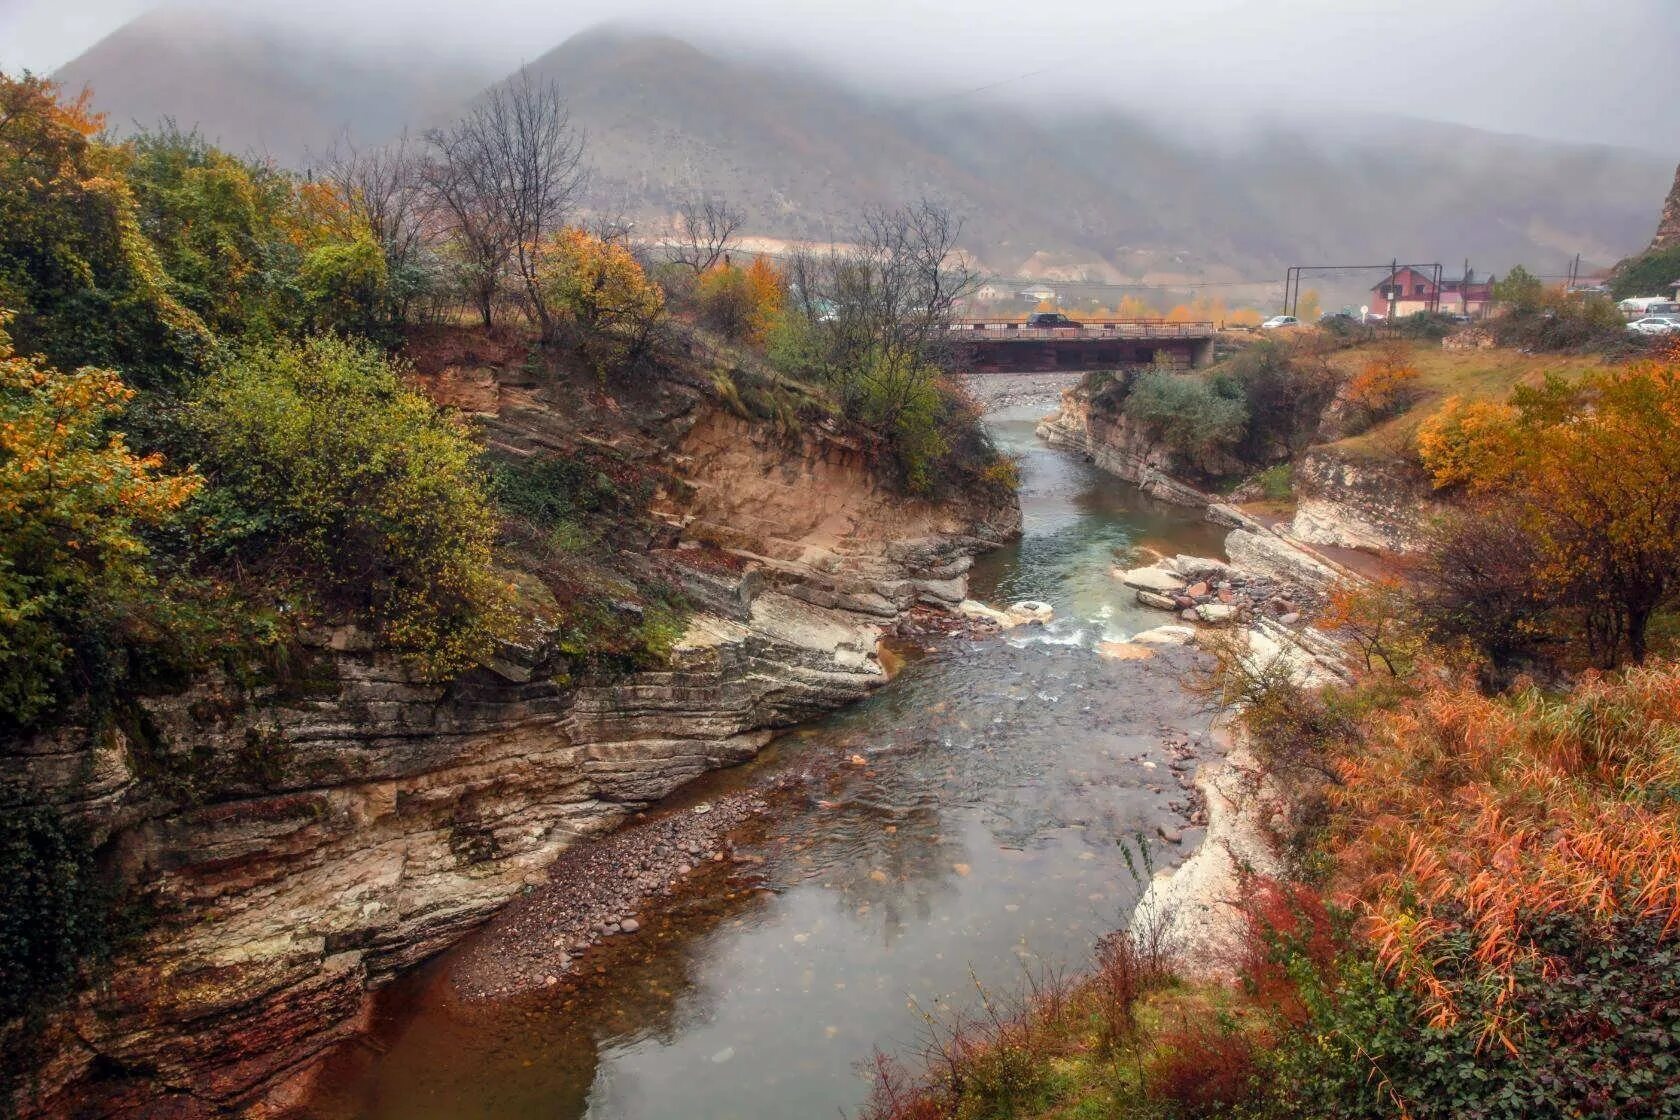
(1004, 817)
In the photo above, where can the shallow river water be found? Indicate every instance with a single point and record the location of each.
(1003, 820)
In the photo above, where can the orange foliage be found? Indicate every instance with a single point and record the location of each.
(1467, 443)
(1464, 814)
(743, 303)
(1384, 380)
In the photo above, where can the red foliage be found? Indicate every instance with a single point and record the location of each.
(1203, 1068)
(1278, 913)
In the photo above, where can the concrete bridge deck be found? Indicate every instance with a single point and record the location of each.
(982, 345)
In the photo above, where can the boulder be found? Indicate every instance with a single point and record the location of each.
(1159, 602)
(1152, 578)
(1031, 610)
(1165, 635)
(1216, 614)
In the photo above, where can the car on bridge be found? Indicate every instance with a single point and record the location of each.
(1050, 320)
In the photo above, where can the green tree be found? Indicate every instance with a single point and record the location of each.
(348, 484)
(1520, 289)
(74, 573)
(76, 267)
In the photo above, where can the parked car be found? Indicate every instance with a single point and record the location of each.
(1277, 321)
(1049, 320)
(1655, 324)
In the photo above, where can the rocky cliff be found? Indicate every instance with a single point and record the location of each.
(300, 836)
(1380, 506)
(1668, 226)
(1094, 426)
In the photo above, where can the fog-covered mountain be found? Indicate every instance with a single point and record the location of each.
(1090, 189)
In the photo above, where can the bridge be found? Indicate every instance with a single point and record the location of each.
(1006, 346)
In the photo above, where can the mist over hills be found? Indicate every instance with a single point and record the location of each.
(1087, 191)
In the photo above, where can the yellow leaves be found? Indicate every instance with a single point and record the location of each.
(1468, 443)
(597, 282)
(1384, 379)
(743, 303)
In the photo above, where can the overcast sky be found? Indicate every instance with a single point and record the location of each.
(1568, 69)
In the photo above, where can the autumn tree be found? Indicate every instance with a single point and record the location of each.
(1307, 305)
(598, 291)
(508, 174)
(75, 582)
(706, 231)
(76, 268)
(742, 303)
(1136, 307)
(1591, 469)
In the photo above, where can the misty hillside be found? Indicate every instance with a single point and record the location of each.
(1095, 191)
(256, 88)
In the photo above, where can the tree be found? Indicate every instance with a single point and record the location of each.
(1384, 383)
(706, 231)
(381, 187)
(508, 174)
(1520, 289)
(598, 289)
(742, 303)
(1135, 307)
(1306, 306)
(358, 492)
(74, 504)
(76, 268)
(1592, 470)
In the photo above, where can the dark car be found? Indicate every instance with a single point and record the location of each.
(1049, 320)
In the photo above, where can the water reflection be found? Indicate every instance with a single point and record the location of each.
(1002, 784)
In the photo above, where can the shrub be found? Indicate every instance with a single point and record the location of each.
(75, 576)
(1465, 443)
(1190, 414)
(1286, 388)
(333, 473)
(1554, 322)
(1384, 384)
(1203, 1068)
(600, 294)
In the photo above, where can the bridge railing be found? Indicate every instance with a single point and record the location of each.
(1005, 330)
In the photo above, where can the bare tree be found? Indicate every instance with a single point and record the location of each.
(883, 307)
(706, 229)
(383, 187)
(509, 174)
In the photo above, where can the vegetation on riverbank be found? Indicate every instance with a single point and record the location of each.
(215, 441)
(1482, 912)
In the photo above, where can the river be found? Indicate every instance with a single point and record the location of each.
(1001, 815)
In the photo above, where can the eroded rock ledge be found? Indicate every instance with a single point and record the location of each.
(300, 841)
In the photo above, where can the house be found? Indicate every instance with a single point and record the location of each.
(1408, 291)
(991, 293)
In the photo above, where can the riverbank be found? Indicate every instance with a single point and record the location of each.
(1000, 804)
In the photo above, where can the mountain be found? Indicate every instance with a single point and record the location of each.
(264, 89)
(1093, 192)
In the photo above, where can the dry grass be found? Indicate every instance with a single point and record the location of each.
(1463, 815)
(1471, 374)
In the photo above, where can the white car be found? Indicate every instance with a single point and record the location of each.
(1655, 324)
(1277, 321)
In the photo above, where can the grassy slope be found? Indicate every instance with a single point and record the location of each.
(1473, 374)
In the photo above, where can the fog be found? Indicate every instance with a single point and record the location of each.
(1552, 68)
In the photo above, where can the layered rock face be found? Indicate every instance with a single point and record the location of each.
(302, 838)
(1117, 445)
(1668, 227)
(1359, 504)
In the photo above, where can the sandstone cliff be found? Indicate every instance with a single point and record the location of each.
(299, 836)
(1094, 426)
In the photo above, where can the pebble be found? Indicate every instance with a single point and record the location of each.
(1170, 835)
(629, 925)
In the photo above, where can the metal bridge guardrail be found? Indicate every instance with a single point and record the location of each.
(990, 330)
